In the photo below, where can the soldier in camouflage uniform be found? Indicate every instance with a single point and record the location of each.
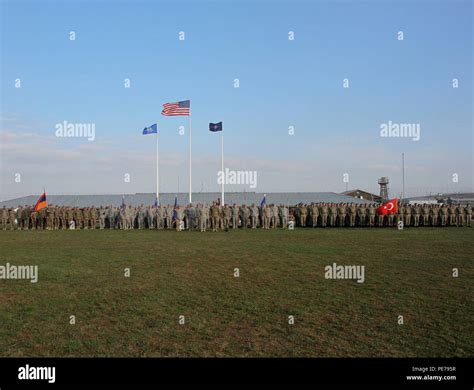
(314, 214)
(459, 216)
(24, 217)
(201, 214)
(69, 216)
(94, 215)
(303, 213)
(34, 219)
(188, 214)
(227, 216)
(214, 216)
(149, 216)
(371, 213)
(78, 218)
(131, 214)
(12, 218)
(168, 216)
(267, 216)
(160, 217)
(254, 216)
(341, 213)
(352, 211)
(323, 211)
(452, 215)
(62, 217)
(102, 217)
(434, 211)
(55, 217)
(283, 216)
(362, 214)
(178, 217)
(425, 213)
(332, 214)
(4, 218)
(221, 216)
(408, 211)
(443, 215)
(235, 216)
(468, 215)
(416, 215)
(400, 214)
(275, 216)
(380, 219)
(18, 213)
(244, 216)
(49, 217)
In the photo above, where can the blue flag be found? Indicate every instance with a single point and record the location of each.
(153, 129)
(264, 201)
(215, 126)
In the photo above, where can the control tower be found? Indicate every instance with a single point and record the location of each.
(383, 183)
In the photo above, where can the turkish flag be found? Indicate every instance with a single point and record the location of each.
(387, 208)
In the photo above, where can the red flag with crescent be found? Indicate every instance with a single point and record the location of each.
(387, 208)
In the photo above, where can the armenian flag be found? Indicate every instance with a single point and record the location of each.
(41, 203)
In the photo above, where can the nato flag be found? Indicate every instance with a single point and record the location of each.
(153, 129)
(215, 126)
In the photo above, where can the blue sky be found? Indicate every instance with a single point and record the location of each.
(282, 83)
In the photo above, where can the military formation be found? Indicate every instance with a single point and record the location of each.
(215, 217)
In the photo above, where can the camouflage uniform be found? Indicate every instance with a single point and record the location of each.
(69, 216)
(468, 215)
(452, 215)
(371, 211)
(284, 216)
(434, 210)
(12, 218)
(235, 217)
(215, 217)
(4, 218)
(324, 214)
(426, 215)
(227, 217)
(407, 215)
(314, 212)
(443, 211)
(352, 211)
(459, 216)
(102, 217)
(341, 212)
(362, 214)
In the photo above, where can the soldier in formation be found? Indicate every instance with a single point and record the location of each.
(226, 217)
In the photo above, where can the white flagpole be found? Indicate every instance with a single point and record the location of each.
(157, 172)
(222, 166)
(190, 157)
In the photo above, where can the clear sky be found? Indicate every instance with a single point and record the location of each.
(282, 83)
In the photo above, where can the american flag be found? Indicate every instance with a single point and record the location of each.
(176, 109)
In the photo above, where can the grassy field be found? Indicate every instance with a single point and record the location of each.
(81, 273)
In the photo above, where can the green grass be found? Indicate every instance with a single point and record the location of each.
(81, 273)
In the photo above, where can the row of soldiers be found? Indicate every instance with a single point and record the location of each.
(218, 217)
(350, 214)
